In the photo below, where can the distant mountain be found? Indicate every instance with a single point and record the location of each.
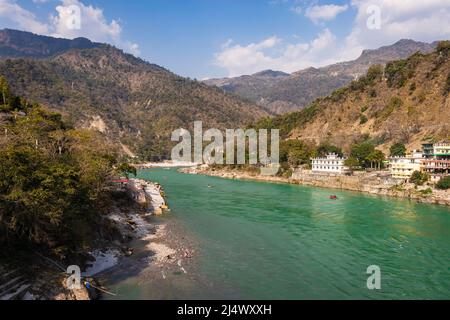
(131, 101)
(279, 92)
(19, 44)
(250, 87)
(271, 73)
(407, 101)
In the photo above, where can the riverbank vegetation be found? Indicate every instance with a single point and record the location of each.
(443, 183)
(54, 179)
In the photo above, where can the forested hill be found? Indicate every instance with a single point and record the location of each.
(407, 101)
(127, 99)
(54, 180)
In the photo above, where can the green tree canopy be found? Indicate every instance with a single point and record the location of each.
(398, 150)
(376, 158)
(444, 183)
(53, 180)
(352, 163)
(126, 169)
(295, 152)
(4, 94)
(361, 152)
(419, 178)
(325, 148)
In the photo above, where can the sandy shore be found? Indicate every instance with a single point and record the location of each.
(132, 223)
(157, 246)
(163, 255)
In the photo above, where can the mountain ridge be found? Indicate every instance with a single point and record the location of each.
(131, 101)
(22, 44)
(406, 101)
(300, 88)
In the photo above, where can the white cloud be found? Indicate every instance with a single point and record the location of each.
(407, 19)
(93, 24)
(22, 18)
(326, 12)
(274, 53)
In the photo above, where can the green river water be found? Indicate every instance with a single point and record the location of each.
(276, 241)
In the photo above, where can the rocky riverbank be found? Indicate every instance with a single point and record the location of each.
(377, 183)
(127, 222)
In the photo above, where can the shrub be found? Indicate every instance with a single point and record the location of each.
(444, 183)
(375, 72)
(443, 48)
(126, 169)
(339, 94)
(394, 103)
(398, 72)
(352, 163)
(419, 178)
(325, 148)
(362, 119)
(426, 192)
(398, 150)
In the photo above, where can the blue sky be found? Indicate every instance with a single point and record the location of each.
(215, 38)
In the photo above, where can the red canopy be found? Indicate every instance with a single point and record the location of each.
(120, 181)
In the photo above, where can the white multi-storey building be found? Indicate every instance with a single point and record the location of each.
(331, 164)
(403, 167)
(437, 162)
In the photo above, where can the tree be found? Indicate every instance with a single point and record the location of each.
(126, 169)
(361, 152)
(376, 158)
(443, 47)
(51, 193)
(444, 183)
(325, 148)
(398, 150)
(4, 94)
(295, 152)
(375, 72)
(363, 119)
(352, 163)
(419, 178)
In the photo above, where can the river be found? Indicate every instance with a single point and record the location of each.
(259, 240)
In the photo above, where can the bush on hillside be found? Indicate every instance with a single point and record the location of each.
(444, 183)
(419, 178)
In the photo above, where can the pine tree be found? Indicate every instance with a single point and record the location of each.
(4, 89)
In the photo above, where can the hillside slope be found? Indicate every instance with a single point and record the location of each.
(19, 44)
(408, 101)
(126, 98)
(280, 93)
